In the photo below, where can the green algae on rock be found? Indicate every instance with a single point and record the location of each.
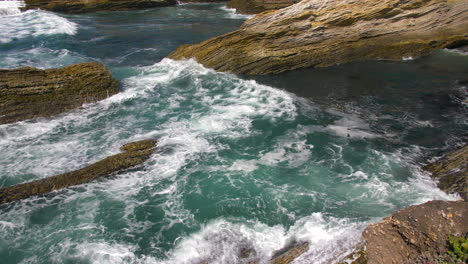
(452, 172)
(27, 93)
(316, 33)
(257, 6)
(84, 6)
(135, 154)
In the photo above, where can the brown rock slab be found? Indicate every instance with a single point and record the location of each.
(85, 6)
(317, 33)
(135, 153)
(289, 253)
(27, 93)
(415, 230)
(452, 172)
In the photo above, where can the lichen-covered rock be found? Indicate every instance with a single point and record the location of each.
(135, 153)
(84, 6)
(27, 93)
(257, 6)
(317, 33)
(415, 231)
(452, 172)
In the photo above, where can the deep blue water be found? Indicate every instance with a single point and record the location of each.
(314, 154)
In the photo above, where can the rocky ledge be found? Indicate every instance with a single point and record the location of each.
(257, 6)
(84, 6)
(134, 154)
(416, 234)
(452, 172)
(27, 93)
(317, 33)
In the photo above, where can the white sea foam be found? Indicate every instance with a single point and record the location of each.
(8, 8)
(350, 126)
(232, 13)
(32, 23)
(93, 252)
(220, 241)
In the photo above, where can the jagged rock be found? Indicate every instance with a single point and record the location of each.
(257, 6)
(134, 154)
(452, 172)
(289, 253)
(317, 33)
(415, 231)
(84, 6)
(27, 92)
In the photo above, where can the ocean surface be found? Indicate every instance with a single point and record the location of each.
(243, 162)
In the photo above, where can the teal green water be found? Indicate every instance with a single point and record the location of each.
(242, 162)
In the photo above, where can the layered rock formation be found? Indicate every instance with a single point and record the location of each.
(257, 6)
(84, 6)
(452, 172)
(134, 154)
(415, 231)
(27, 93)
(317, 33)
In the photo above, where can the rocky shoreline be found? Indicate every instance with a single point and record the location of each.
(316, 33)
(28, 93)
(312, 33)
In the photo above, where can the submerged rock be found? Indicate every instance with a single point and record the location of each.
(27, 92)
(84, 6)
(257, 6)
(317, 33)
(134, 154)
(415, 231)
(452, 172)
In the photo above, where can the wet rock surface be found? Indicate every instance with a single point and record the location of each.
(134, 154)
(27, 93)
(316, 33)
(85, 6)
(451, 171)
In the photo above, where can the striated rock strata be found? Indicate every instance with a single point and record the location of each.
(27, 92)
(134, 154)
(415, 231)
(452, 172)
(317, 33)
(257, 6)
(84, 6)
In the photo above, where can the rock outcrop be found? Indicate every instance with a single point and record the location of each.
(289, 253)
(27, 93)
(452, 172)
(415, 231)
(134, 154)
(317, 33)
(84, 6)
(257, 6)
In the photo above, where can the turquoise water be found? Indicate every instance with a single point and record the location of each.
(314, 155)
